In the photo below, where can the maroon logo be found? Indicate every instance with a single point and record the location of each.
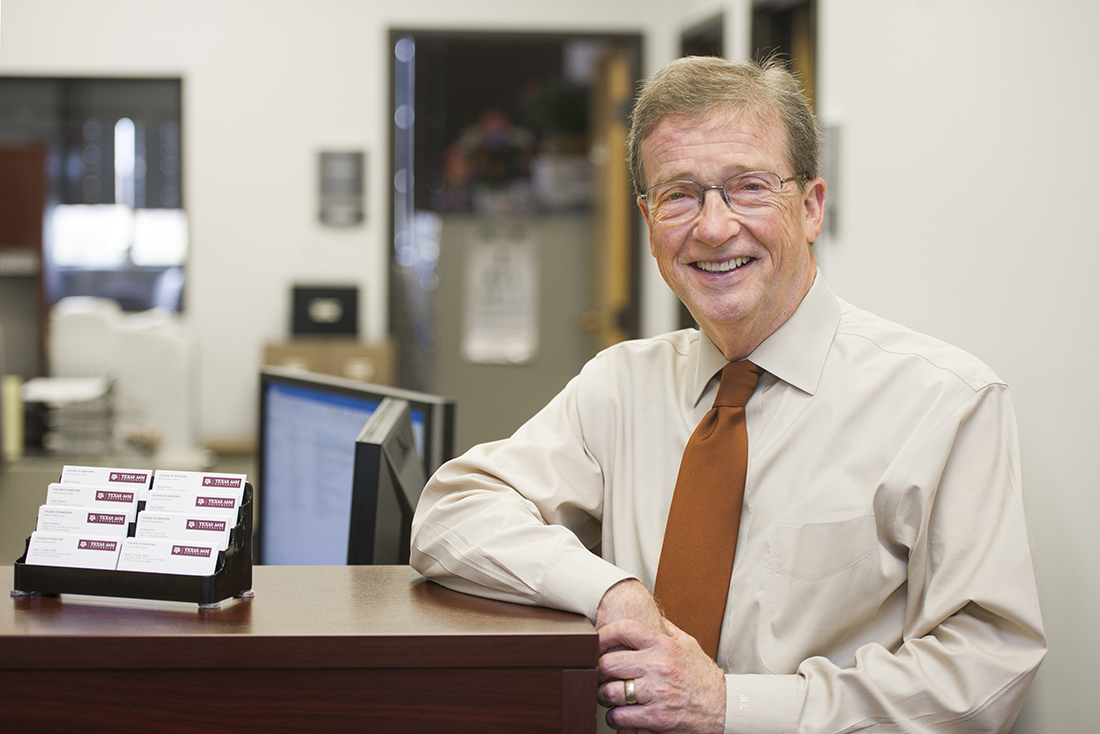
(107, 495)
(217, 526)
(224, 503)
(98, 545)
(225, 482)
(129, 477)
(191, 550)
(103, 518)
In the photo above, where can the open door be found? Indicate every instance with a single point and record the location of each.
(514, 254)
(615, 272)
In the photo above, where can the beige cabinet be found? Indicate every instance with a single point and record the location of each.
(332, 356)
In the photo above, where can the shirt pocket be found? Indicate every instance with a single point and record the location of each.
(823, 584)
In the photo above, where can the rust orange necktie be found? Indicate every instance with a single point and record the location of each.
(693, 575)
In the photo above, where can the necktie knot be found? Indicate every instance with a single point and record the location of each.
(738, 382)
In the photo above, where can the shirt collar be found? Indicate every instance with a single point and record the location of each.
(794, 353)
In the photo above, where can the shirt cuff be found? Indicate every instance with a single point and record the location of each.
(763, 704)
(578, 582)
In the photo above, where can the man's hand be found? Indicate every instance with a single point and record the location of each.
(678, 688)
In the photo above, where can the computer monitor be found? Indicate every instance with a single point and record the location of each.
(387, 482)
(306, 459)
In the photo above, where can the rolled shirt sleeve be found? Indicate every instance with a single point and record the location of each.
(475, 532)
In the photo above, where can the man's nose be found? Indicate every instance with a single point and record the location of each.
(717, 222)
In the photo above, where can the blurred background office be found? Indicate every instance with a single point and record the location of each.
(454, 167)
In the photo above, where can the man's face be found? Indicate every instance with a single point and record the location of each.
(740, 276)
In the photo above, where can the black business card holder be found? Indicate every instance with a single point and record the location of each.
(232, 576)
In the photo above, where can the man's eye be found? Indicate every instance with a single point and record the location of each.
(750, 185)
(677, 195)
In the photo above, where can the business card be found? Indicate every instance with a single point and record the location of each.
(137, 480)
(73, 550)
(159, 555)
(53, 520)
(186, 527)
(196, 481)
(103, 499)
(207, 503)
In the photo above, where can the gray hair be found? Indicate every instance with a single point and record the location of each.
(696, 86)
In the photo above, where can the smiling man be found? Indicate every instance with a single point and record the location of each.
(856, 512)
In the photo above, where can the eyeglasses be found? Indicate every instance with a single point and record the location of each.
(752, 193)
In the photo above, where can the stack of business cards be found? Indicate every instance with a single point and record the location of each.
(185, 526)
(194, 481)
(164, 555)
(87, 521)
(197, 493)
(73, 551)
(86, 516)
(186, 522)
(103, 499)
(123, 480)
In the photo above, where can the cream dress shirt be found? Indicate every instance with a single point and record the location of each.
(883, 580)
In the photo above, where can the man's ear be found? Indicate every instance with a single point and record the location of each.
(813, 203)
(649, 225)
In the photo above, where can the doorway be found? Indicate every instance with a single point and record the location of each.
(514, 255)
(90, 201)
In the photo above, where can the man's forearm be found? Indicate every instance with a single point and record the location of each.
(629, 599)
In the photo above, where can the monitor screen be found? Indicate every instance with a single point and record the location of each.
(306, 456)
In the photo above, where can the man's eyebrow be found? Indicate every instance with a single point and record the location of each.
(738, 170)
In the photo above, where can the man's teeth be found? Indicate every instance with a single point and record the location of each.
(723, 267)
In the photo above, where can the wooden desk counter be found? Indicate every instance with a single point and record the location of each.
(319, 648)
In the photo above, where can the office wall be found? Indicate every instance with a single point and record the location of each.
(968, 142)
(267, 84)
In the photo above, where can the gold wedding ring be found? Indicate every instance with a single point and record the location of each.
(628, 687)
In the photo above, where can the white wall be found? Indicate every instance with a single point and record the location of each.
(951, 112)
(969, 148)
